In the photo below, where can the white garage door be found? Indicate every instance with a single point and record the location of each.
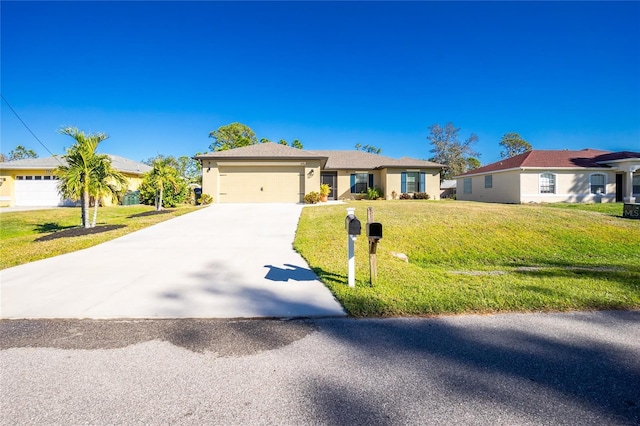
(36, 192)
(264, 184)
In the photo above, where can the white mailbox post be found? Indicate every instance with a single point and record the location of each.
(353, 227)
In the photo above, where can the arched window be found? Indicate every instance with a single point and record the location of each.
(547, 183)
(598, 182)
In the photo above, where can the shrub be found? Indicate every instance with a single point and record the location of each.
(205, 199)
(325, 189)
(420, 196)
(373, 193)
(312, 198)
(405, 196)
(171, 196)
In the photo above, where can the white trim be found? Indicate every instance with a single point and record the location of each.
(555, 183)
(606, 182)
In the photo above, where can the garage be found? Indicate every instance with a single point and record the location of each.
(36, 191)
(261, 184)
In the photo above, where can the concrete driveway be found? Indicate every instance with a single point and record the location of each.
(224, 261)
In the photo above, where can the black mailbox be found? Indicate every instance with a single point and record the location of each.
(353, 225)
(374, 230)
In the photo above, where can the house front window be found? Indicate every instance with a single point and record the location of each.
(597, 183)
(488, 181)
(413, 182)
(547, 183)
(361, 183)
(636, 185)
(467, 185)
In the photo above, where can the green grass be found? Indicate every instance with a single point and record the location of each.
(478, 257)
(20, 231)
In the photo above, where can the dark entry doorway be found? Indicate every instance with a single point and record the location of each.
(619, 194)
(330, 178)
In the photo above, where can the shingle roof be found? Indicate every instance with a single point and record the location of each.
(351, 159)
(586, 158)
(335, 160)
(269, 150)
(354, 159)
(118, 162)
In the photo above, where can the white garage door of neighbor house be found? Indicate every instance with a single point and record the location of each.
(36, 193)
(250, 184)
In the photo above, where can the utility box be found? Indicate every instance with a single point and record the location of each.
(374, 231)
(131, 198)
(353, 226)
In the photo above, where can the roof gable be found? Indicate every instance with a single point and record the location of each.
(265, 150)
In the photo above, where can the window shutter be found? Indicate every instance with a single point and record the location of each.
(353, 183)
(423, 182)
(370, 181)
(403, 182)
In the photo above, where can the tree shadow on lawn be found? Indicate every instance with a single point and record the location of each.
(45, 228)
(626, 275)
(78, 232)
(151, 213)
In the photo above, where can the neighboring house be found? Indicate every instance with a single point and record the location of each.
(270, 172)
(31, 182)
(552, 176)
(448, 188)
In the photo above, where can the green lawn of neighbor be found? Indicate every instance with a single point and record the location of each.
(31, 235)
(469, 257)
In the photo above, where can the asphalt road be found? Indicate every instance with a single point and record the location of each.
(569, 368)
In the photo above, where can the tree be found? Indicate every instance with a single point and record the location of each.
(234, 135)
(283, 142)
(448, 150)
(162, 176)
(369, 148)
(513, 145)
(105, 182)
(20, 153)
(75, 178)
(473, 163)
(296, 144)
(188, 168)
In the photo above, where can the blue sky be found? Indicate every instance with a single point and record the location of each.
(159, 76)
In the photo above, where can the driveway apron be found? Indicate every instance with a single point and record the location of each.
(224, 261)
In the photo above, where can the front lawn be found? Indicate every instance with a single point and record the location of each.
(478, 257)
(31, 235)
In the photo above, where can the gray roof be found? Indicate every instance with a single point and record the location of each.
(119, 163)
(354, 159)
(267, 150)
(335, 160)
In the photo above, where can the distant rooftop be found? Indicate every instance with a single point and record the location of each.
(119, 163)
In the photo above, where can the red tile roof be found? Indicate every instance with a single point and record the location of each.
(586, 158)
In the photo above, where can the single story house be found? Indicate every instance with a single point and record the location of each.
(31, 182)
(270, 172)
(550, 176)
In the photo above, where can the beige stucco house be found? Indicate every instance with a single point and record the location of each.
(550, 176)
(270, 172)
(31, 182)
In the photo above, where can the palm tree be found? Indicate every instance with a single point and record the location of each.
(105, 182)
(161, 175)
(76, 176)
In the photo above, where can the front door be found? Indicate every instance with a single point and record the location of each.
(330, 179)
(619, 193)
